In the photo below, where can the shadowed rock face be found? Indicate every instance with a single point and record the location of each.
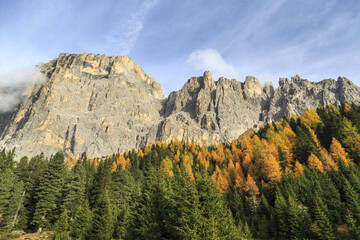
(100, 105)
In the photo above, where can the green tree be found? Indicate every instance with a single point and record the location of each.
(81, 224)
(74, 189)
(353, 225)
(61, 228)
(123, 187)
(281, 215)
(322, 226)
(49, 192)
(16, 202)
(103, 218)
(219, 223)
(151, 215)
(6, 186)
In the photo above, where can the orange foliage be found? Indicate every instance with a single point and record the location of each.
(114, 167)
(220, 180)
(310, 118)
(327, 160)
(251, 187)
(337, 151)
(298, 169)
(314, 137)
(315, 163)
(272, 169)
(177, 156)
(347, 108)
(188, 166)
(239, 177)
(247, 147)
(167, 167)
(247, 161)
(124, 163)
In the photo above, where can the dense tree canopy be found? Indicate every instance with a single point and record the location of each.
(299, 178)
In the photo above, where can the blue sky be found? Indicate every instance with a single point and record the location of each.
(174, 40)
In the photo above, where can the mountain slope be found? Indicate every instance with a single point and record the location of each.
(99, 105)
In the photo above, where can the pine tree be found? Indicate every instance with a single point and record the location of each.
(81, 223)
(123, 187)
(151, 215)
(322, 226)
(353, 225)
(294, 219)
(49, 192)
(103, 218)
(6, 186)
(187, 213)
(352, 199)
(219, 223)
(74, 190)
(61, 228)
(16, 201)
(281, 215)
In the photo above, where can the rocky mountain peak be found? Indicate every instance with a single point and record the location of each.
(207, 78)
(75, 66)
(252, 87)
(99, 105)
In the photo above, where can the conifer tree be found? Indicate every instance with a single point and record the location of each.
(61, 228)
(322, 226)
(74, 190)
(281, 215)
(6, 186)
(103, 218)
(153, 209)
(123, 187)
(81, 223)
(48, 193)
(353, 225)
(16, 201)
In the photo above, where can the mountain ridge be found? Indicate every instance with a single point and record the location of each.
(98, 105)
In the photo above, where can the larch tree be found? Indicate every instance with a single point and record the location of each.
(338, 152)
(315, 163)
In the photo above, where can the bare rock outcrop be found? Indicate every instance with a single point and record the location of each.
(100, 105)
(90, 104)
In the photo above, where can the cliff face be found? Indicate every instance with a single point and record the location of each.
(99, 105)
(90, 103)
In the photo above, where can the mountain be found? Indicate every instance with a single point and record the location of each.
(98, 105)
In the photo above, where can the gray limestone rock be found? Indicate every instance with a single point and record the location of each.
(100, 105)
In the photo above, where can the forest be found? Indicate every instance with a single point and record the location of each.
(294, 179)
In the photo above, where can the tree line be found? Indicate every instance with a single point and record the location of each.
(299, 178)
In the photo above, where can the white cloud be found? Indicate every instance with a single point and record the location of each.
(211, 59)
(16, 83)
(125, 35)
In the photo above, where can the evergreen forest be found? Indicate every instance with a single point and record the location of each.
(295, 179)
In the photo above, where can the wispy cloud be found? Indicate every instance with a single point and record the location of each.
(211, 59)
(125, 35)
(14, 84)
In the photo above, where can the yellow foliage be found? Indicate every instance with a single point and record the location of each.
(298, 169)
(347, 108)
(220, 181)
(337, 151)
(251, 187)
(239, 177)
(310, 118)
(167, 167)
(315, 163)
(327, 160)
